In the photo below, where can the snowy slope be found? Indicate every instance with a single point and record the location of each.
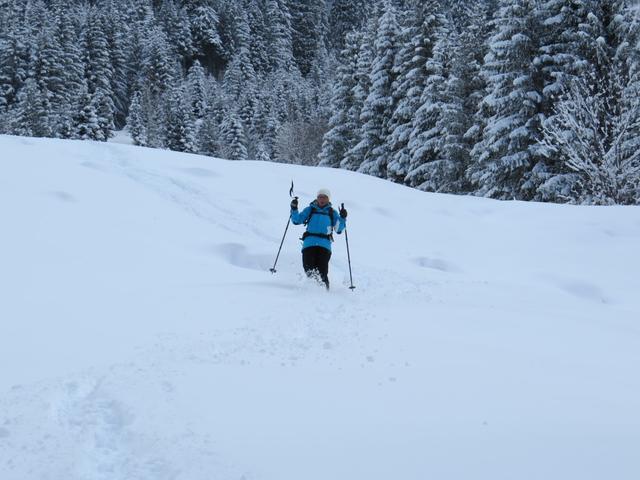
(142, 336)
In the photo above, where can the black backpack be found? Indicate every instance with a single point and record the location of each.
(314, 210)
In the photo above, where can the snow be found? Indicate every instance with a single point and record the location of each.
(121, 136)
(143, 337)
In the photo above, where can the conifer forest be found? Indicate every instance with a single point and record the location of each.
(535, 100)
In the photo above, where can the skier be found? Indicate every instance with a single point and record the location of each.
(321, 221)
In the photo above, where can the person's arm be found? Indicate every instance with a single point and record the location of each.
(341, 222)
(300, 217)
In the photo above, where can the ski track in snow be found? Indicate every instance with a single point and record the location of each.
(186, 195)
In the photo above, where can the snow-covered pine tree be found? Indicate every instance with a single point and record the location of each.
(196, 90)
(342, 124)
(453, 156)
(176, 23)
(279, 35)
(115, 34)
(378, 106)
(86, 125)
(416, 39)
(72, 68)
(45, 65)
(258, 48)
(505, 155)
(234, 146)
(266, 122)
(95, 49)
(461, 94)
(139, 18)
(14, 61)
(30, 114)
(476, 28)
(209, 138)
(136, 123)
(204, 22)
(104, 108)
(426, 167)
(345, 16)
(595, 127)
(240, 76)
(179, 122)
(13, 69)
(262, 153)
(591, 136)
(99, 76)
(354, 156)
(309, 27)
(159, 67)
(563, 58)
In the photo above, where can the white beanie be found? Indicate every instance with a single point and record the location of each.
(324, 191)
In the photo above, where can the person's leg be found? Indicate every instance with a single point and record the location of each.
(324, 256)
(308, 261)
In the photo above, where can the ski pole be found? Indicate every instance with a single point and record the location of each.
(273, 269)
(346, 237)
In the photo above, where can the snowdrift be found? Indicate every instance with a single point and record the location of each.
(143, 337)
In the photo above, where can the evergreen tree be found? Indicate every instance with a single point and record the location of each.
(180, 129)
(204, 22)
(136, 122)
(115, 35)
(95, 48)
(342, 125)
(72, 69)
(378, 106)
(196, 90)
(140, 21)
(45, 68)
(13, 66)
(99, 76)
(354, 156)
(104, 109)
(474, 35)
(232, 131)
(86, 122)
(410, 71)
(427, 137)
(159, 66)
(279, 34)
(258, 47)
(309, 24)
(31, 111)
(176, 24)
(593, 134)
(507, 151)
(209, 137)
(240, 75)
(345, 16)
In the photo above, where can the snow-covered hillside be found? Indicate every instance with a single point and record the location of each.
(143, 337)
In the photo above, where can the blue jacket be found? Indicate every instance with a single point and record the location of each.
(320, 222)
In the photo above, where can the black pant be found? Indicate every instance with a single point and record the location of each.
(315, 261)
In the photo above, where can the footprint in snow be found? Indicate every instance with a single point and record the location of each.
(237, 255)
(200, 172)
(436, 264)
(63, 196)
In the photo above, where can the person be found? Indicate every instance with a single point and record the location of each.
(321, 221)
